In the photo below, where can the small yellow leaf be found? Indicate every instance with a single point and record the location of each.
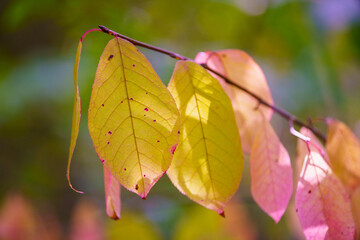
(208, 161)
(344, 153)
(133, 119)
(76, 114)
(241, 69)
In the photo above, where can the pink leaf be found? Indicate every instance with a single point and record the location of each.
(112, 195)
(321, 201)
(270, 170)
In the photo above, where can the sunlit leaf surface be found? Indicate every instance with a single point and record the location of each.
(112, 195)
(270, 171)
(322, 203)
(344, 152)
(240, 68)
(133, 119)
(208, 161)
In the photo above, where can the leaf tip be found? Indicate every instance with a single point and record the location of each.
(222, 213)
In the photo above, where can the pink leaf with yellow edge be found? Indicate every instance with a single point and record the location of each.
(112, 195)
(208, 161)
(270, 171)
(321, 201)
(133, 119)
(344, 153)
(241, 69)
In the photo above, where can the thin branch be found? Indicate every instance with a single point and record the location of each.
(283, 113)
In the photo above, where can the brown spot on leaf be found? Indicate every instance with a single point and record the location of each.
(309, 191)
(133, 65)
(144, 175)
(136, 187)
(146, 92)
(157, 141)
(124, 169)
(108, 142)
(109, 132)
(178, 132)
(102, 104)
(297, 210)
(110, 57)
(131, 99)
(146, 109)
(102, 160)
(121, 102)
(154, 120)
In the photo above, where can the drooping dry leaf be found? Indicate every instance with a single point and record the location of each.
(133, 119)
(270, 171)
(241, 69)
(76, 114)
(208, 161)
(344, 153)
(322, 203)
(112, 195)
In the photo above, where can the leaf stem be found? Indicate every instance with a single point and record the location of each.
(283, 113)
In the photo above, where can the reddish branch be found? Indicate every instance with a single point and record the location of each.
(283, 113)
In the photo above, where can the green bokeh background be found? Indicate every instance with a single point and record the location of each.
(308, 50)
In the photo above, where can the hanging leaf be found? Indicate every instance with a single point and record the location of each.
(112, 195)
(208, 161)
(344, 153)
(133, 119)
(76, 114)
(270, 171)
(244, 71)
(322, 204)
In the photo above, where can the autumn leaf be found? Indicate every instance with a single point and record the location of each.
(355, 209)
(208, 161)
(344, 153)
(240, 68)
(112, 195)
(270, 171)
(133, 119)
(321, 201)
(76, 114)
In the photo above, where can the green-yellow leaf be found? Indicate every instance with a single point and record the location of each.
(344, 153)
(76, 114)
(133, 119)
(241, 69)
(208, 161)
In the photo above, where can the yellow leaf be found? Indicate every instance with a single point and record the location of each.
(344, 153)
(240, 68)
(76, 114)
(133, 119)
(208, 161)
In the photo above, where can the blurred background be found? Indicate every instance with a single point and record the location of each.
(309, 51)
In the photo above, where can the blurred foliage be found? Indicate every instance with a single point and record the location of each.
(309, 51)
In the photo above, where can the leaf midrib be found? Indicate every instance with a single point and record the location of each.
(130, 113)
